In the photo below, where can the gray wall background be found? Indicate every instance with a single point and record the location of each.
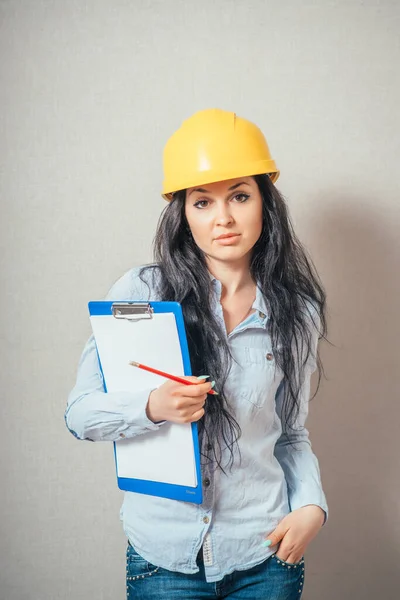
(89, 93)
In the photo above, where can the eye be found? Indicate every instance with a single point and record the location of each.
(241, 198)
(201, 204)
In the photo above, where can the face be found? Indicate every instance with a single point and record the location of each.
(225, 218)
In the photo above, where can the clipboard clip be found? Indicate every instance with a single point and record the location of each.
(132, 311)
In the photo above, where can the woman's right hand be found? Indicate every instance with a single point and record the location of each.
(178, 403)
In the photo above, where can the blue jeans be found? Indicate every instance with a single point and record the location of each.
(273, 579)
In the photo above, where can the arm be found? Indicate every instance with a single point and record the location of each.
(293, 449)
(94, 415)
(91, 413)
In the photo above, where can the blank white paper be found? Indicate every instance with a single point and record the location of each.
(165, 455)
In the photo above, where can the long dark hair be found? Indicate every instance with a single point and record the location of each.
(289, 283)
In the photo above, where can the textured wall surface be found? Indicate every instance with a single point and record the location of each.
(89, 93)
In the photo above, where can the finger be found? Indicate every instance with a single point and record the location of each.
(290, 549)
(283, 552)
(196, 416)
(190, 403)
(189, 417)
(193, 391)
(294, 558)
(281, 556)
(276, 536)
(289, 557)
(193, 379)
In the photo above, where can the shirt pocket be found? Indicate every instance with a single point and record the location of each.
(255, 376)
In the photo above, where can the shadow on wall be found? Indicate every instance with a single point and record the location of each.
(355, 417)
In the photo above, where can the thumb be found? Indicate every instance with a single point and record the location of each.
(277, 535)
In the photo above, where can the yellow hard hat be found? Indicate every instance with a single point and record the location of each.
(214, 145)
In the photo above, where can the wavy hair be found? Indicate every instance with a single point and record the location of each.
(291, 287)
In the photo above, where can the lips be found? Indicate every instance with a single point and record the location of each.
(225, 236)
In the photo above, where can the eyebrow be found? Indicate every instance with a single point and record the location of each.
(233, 187)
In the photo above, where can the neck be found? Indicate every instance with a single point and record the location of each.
(233, 277)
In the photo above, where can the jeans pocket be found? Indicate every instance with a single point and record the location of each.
(138, 567)
(289, 577)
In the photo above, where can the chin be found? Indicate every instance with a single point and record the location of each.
(229, 254)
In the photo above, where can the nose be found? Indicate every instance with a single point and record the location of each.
(224, 215)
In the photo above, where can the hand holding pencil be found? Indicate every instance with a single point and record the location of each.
(180, 399)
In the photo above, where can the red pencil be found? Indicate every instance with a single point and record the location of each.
(168, 376)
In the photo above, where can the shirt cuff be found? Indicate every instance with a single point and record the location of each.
(136, 419)
(307, 499)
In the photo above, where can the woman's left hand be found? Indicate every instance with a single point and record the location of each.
(296, 531)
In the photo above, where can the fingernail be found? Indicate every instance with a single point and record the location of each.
(266, 543)
(203, 377)
(212, 384)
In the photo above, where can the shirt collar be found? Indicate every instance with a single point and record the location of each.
(260, 304)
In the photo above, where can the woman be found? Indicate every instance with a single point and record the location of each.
(254, 310)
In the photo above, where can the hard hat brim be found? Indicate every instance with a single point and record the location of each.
(267, 169)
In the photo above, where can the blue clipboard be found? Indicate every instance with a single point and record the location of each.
(152, 333)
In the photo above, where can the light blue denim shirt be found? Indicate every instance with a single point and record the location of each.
(272, 476)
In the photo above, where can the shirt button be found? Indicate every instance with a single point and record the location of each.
(261, 315)
(206, 482)
(206, 520)
(270, 356)
(122, 435)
